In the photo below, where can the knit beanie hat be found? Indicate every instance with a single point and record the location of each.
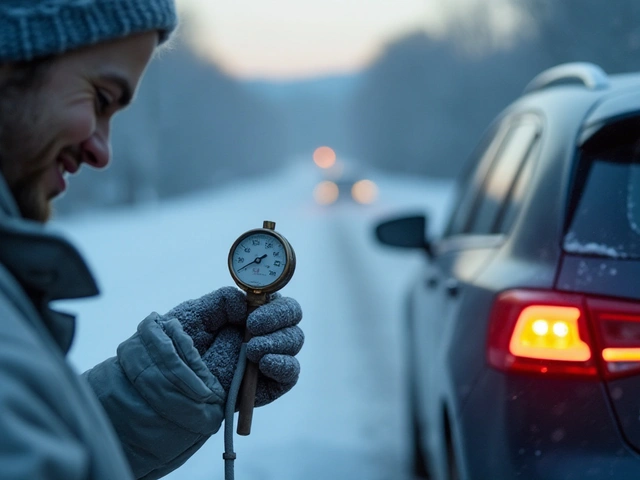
(38, 28)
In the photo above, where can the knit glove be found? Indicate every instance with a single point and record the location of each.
(216, 324)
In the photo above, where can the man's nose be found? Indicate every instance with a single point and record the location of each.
(96, 150)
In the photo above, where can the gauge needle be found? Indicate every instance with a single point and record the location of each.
(257, 260)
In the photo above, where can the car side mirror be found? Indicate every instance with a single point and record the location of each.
(404, 232)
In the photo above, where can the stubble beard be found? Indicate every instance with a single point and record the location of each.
(22, 155)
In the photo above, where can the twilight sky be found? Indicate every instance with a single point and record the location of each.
(303, 38)
(285, 38)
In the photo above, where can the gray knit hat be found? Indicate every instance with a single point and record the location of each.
(37, 28)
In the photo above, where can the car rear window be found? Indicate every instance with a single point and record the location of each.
(604, 213)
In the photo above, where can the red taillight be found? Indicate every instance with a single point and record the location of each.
(549, 332)
(556, 333)
(540, 332)
(618, 328)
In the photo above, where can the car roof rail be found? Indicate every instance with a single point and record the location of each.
(588, 74)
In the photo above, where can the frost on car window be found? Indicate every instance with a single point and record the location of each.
(606, 221)
(573, 245)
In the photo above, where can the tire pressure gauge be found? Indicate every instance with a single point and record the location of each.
(261, 262)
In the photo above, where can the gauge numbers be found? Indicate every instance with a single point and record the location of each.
(259, 260)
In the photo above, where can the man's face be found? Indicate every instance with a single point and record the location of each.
(63, 121)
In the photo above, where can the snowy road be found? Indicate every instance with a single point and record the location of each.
(344, 419)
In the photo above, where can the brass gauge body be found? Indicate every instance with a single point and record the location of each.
(261, 261)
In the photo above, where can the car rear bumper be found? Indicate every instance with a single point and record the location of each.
(530, 427)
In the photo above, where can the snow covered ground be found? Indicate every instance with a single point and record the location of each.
(344, 419)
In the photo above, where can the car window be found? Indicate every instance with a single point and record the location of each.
(471, 182)
(512, 207)
(605, 214)
(501, 176)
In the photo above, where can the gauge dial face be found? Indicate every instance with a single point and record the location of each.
(259, 259)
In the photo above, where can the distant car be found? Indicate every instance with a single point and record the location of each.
(345, 181)
(523, 325)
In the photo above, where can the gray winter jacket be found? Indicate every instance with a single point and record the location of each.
(140, 414)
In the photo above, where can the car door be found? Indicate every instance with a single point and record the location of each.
(473, 235)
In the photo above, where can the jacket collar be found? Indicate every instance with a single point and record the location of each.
(46, 265)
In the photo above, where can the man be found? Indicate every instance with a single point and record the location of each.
(66, 67)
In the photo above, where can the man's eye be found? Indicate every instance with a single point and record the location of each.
(103, 100)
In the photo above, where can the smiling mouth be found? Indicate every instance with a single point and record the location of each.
(67, 164)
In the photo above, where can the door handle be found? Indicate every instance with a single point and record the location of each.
(452, 287)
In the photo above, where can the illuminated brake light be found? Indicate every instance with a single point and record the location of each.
(549, 332)
(326, 193)
(364, 192)
(621, 354)
(618, 325)
(541, 332)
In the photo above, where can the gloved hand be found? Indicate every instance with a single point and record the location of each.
(216, 321)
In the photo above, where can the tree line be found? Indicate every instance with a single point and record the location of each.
(425, 103)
